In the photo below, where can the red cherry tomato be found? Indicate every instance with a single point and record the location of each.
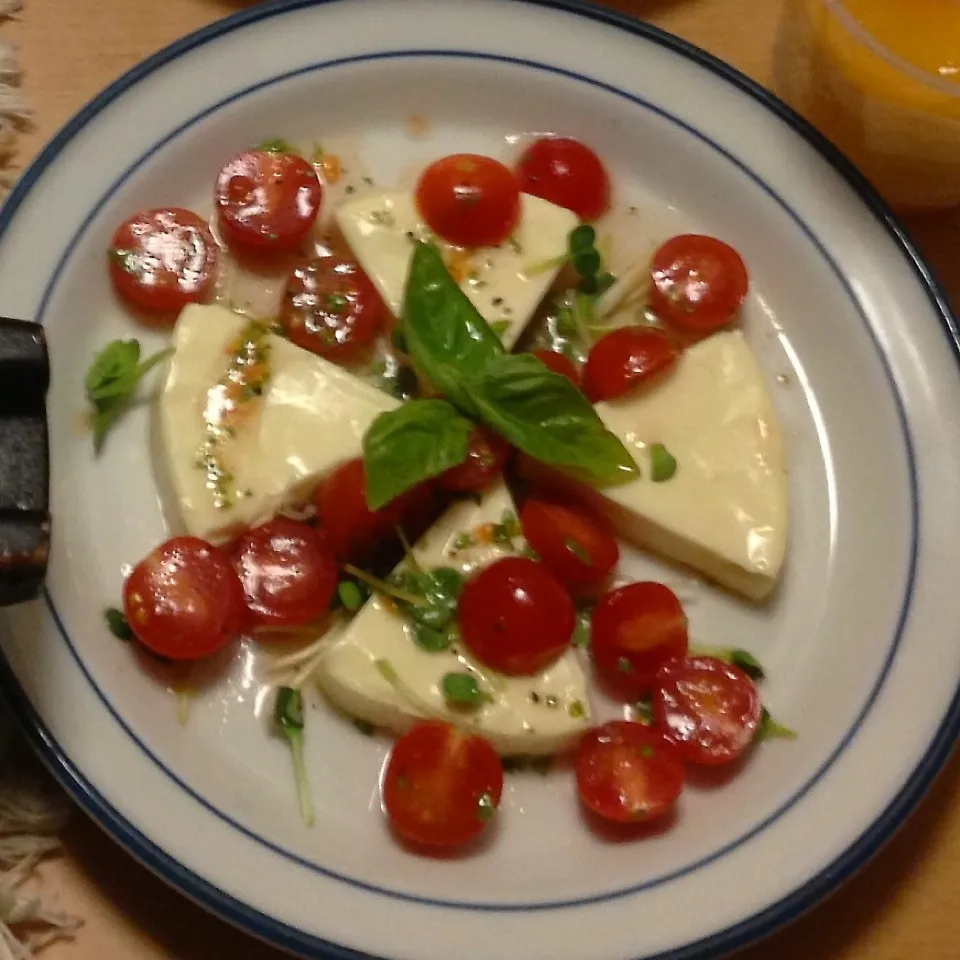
(624, 358)
(635, 630)
(331, 308)
(566, 173)
(350, 527)
(287, 570)
(577, 548)
(710, 709)
(516, 617)
(268, 202)
(161, 260)
(485, 461)
(469, 200)
(184, 600)
(699, 283)
(558, 363)
(628, 772)
(441, 786)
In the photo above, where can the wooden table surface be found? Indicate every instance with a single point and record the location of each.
(901, 907)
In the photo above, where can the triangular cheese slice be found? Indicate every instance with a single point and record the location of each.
(537, 715)
(295, 421)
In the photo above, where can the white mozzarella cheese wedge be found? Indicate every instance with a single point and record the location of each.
(239, 441)
(506, 284)
(725, 510)
(536, 715)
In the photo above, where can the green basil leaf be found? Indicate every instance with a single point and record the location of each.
(445, 334)
(413, 443)
(113, 372)
(546, 416)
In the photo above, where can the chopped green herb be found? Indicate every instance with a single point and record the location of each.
(112, 380)
(581, 635)
(769, 729)
(624, 665)
(118, 624)
(647, 751)
(587, 263)
(500, 327)
(462, 689)
(736, 657)
(643, 711)
(577, 710)
(514, 245)
(486, 808)
(507, 530)
(336, 302)
(288, 716)
(278, 145)
(350, 595)
(581, 239)
(432, 639)
(662, 463)
(463, 541)
(578, 551)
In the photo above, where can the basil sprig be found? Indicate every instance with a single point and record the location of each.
(413, 443)
(540, 412)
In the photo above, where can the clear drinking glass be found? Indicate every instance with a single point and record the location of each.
(881, 78)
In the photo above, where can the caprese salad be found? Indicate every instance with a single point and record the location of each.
(418, 460)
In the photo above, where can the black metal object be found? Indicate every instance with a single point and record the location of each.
(24, 461)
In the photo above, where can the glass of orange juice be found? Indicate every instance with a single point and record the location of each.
(881, 78)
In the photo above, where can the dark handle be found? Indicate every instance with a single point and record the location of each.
(24, 461)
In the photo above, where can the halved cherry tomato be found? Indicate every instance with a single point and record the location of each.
(567, 173)
(330, 307)
(624, 358)
(710, 709)
(442, 786)
(516, 617)
(699, 283)
(469, 200)
(558, 363)
(351, 528)
(575, 546)
(635, 630)
(268, 202)
(485, 461)
(184, 600)
(161, 260)
(287, 570)
(628, 772)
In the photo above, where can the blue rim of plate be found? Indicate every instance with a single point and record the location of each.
(282, 935)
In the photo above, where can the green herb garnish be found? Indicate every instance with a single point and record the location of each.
(577, 710)
(769, 729)
(538, 411)
(736, 657)
(643, 711)
(337, 302)
(118, 624)
(350, 595)
(288, 716)
(112, 381)
(463, 541)
(434, 615)
(486, 808)
(278, 145)
(581, 634)
(462, 690)
(500, 327)
(663, 465)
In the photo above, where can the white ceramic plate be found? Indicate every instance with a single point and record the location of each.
(860, 643)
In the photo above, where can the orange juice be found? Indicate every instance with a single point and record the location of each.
(881, 78)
